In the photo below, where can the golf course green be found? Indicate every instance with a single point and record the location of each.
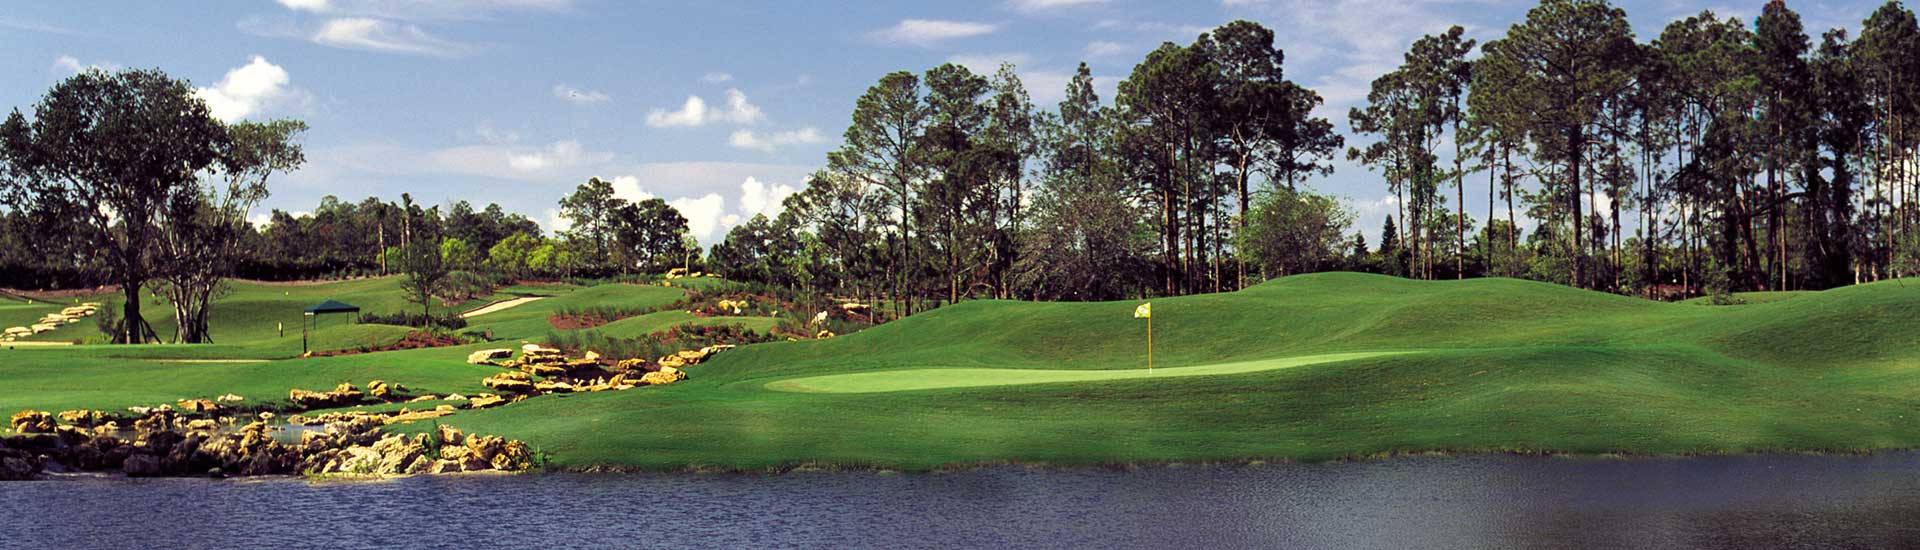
(934, 379)
(1311, 367)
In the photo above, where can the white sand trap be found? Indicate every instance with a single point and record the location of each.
(500, 306)
(35, 343)
(932, 379)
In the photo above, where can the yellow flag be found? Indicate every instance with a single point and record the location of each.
(1145, 311)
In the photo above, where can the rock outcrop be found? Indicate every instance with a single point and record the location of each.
(344, 394)
(511, 381)
(31, 422)
(488, 356)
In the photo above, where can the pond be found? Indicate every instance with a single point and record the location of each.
(1434, 502)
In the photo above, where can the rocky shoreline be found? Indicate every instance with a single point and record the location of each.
(164, 443)
(212, 438)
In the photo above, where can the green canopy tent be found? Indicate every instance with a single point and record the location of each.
(314, 312)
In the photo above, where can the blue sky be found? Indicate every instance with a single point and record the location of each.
(720, 107)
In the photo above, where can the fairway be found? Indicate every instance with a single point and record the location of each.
(934, 379)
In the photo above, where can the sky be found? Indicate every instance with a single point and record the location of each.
(721, 108)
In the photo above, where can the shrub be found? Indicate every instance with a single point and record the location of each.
(449, 321)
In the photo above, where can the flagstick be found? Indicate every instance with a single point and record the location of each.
(1149, 343)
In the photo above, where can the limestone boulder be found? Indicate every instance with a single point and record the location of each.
(487, 356)
(662, 377)
(545, 370)
(510, 381)
(485, 401)
(450, 435)
(83, 417)
(31, 422)
(199, 406)
(383, 390)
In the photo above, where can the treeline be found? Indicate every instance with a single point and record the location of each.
(1746, 157)
(952, 184)
(1718, 157)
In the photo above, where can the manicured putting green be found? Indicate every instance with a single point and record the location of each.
(944, 378)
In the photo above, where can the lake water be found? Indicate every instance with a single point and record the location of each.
(1763, 501)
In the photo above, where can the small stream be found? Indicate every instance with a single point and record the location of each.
(1752, 501)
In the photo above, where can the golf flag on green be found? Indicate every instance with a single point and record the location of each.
(1145, 311)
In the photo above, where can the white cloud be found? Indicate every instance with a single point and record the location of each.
(35, 26)
(706, 215)
(1102, 48)
(1155, 28)
(692, 113)
(716, 78)
(577, 95)
(425, 9)
(72, 65)
(1033, 6)
(316, 6)
(487, 133)
(364, 33)
(739, 111)
(695, 112)
(560, 159)
(556, 222)
(760, 198)
(1049, 87)
(628, 187)
(253, 88)
(260, 220)
(927, 32)
(988, 63)
(747, 139)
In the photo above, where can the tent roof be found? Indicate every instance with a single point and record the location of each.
(331, 306)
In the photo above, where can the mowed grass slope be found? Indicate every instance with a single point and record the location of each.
(1487, 365)
(1474, 365)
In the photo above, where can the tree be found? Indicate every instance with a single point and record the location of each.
(110, 150)
(514, 254)
(1165, 107)
(458, 254)
(1011, 141)
(1088, 240)
(1554, 71)
(1295, 232)
(425, 271)
(593, 210)
(200, 229)
(960, 169)
(647, 234)
(882, 149)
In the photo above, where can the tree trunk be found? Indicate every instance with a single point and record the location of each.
(1575, 135)
(1460, 193)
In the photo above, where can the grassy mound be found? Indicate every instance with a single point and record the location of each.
(1493, 364)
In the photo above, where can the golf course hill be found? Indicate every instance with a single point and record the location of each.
(1311, 367)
